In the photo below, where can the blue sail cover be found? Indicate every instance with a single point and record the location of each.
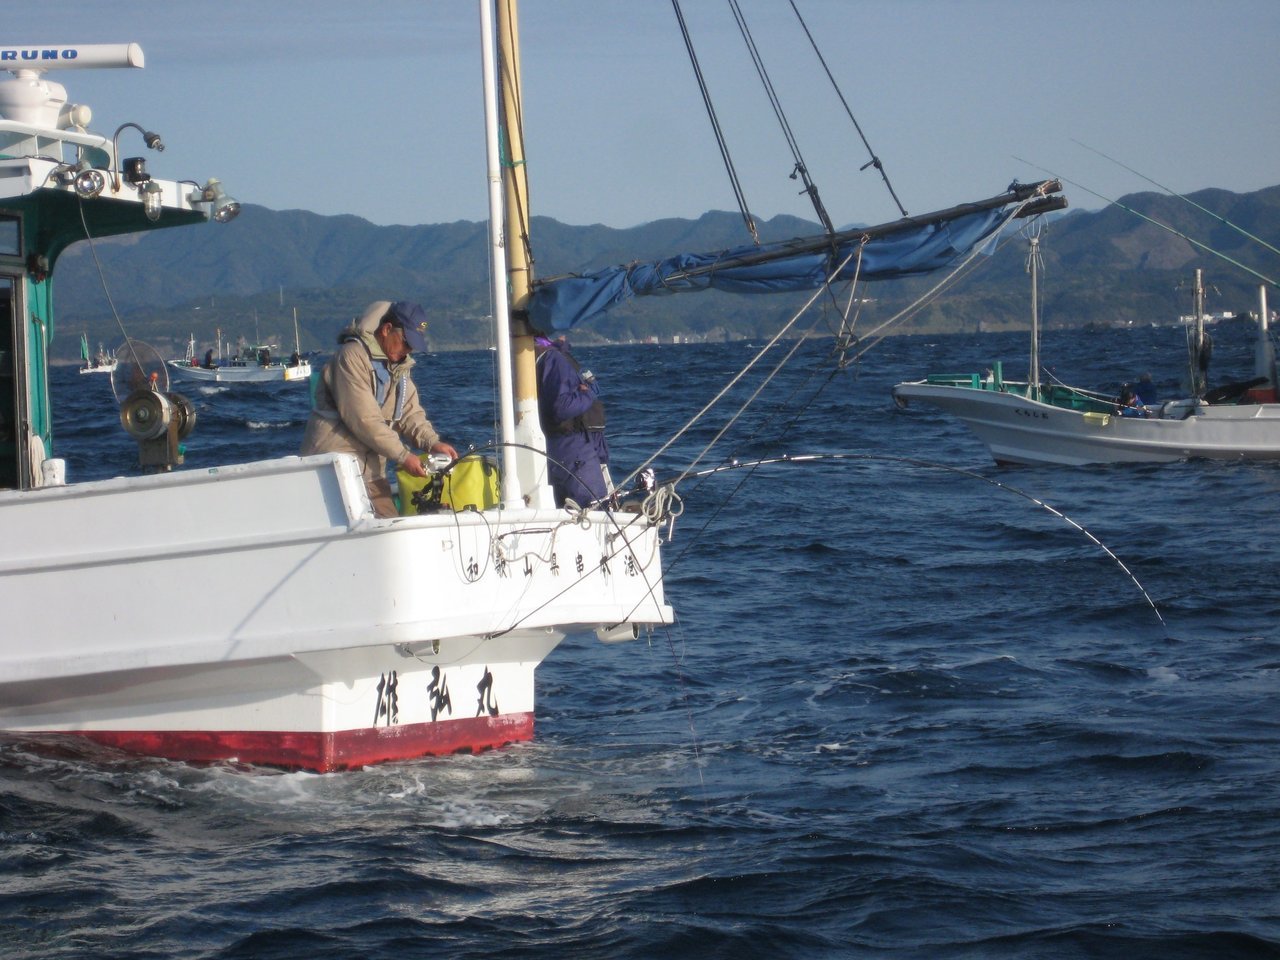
(918, 248)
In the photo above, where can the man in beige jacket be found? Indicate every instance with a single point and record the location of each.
(366, 402)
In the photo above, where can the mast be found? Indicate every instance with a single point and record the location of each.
(1033, 265)
(1264, 354)
(511, 495)
(530, 454)
(1199, 357)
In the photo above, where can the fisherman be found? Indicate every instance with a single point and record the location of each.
(573, 421)
(366, 402)
(1128, 404)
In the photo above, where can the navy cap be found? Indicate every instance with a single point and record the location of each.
(412, 319)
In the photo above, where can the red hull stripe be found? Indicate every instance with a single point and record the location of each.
(323, 752)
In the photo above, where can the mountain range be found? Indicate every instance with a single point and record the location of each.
(247, 277)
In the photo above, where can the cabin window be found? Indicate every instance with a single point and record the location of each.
(10, 236)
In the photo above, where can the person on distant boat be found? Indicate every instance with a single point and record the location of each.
(573, 422)
(366, 402)
(208, 359)
(1146, 391)
(1128, 404)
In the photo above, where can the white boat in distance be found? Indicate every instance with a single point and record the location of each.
(100, 362)
(256, 363)
(339, 638)
(1043, 423)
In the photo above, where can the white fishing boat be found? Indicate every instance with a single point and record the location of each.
(101, 362)
(254, 363)
(1037, 422)
(337, 638)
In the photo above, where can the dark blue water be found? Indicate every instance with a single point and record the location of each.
(905, 712)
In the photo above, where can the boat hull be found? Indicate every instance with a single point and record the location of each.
(1017, 430)
(246, 373)
(312, 635)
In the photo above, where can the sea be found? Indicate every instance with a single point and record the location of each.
(914, 704)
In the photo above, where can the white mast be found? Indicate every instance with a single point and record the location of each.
(1033, 264)
(530, 453)
(1264, 355)
(511, 495)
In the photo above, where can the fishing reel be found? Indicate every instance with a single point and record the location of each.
(156, 419)
(158, 422)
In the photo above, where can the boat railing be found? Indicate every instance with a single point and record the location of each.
(1057, 395)
(25, 140)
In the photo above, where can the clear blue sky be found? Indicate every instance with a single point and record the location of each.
(374, 108)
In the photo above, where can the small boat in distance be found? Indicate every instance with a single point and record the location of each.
(1052, 423)
(100, 362)
(255, 363)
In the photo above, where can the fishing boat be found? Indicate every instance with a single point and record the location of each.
(254, 363)
(100, 362)
(338, 638)
(1040, 422)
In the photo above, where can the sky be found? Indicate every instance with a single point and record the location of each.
(375, 108)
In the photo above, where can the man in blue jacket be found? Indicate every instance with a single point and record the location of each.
(573, 422)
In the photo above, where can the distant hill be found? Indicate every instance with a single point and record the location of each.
(246, 277)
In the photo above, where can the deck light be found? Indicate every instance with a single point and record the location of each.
(135, 170)
(152, 200)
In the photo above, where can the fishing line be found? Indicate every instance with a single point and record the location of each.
(930, 464)
(1218, 217)
(1163, 226)
(106, 292)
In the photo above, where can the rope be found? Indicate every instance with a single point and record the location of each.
(874, 161)
(734, 182)
(801, 170)
(737, 377)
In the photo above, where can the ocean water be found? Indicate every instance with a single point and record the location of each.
(905, 711)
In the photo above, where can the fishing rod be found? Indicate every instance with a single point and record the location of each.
(1218, 217)
(931, 464)
(1162, 226)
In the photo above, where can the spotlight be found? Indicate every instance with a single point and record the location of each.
(152, 200)
(225, 208)
(89, 183)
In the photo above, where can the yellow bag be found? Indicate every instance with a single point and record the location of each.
(471, 482)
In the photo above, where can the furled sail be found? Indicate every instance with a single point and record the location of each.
(903, 248)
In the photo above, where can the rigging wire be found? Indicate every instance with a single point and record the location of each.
(875, 160)
(725, 156)
(800, 170)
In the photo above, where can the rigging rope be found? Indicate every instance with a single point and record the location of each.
(874, 161)
(734, 182)
(800, 170)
